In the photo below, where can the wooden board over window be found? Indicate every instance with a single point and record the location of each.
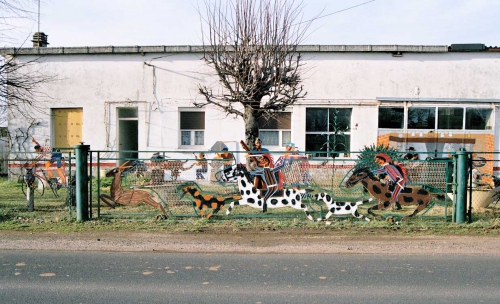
(67, 127)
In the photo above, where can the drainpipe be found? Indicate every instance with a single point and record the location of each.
(461, 190)
(82, 186)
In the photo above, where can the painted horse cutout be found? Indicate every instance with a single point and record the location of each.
(203, 199)
(118, 195)
(254, 198)
(382, 191)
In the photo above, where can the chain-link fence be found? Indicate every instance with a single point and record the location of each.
(164, 177)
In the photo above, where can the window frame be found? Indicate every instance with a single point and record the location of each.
(346, 134)
(488, 120)
(284, 134)
(198, 127)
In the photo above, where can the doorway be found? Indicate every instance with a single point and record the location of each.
(128, 134)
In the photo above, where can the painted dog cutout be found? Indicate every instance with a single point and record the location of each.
(204, 200)
(339, 208)
(382, 192)
(253, 197)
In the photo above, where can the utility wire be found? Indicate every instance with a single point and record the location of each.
(343, 10)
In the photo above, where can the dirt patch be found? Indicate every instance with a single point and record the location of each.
(322, 242)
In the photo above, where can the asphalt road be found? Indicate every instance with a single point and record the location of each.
(149, 277)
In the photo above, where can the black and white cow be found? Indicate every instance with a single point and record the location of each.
(253, 197)
(339, 208)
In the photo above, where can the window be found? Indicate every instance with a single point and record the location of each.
(192, 126)
(276, 131)
(451, 118)
(421, 118)
(477, 119)
(328, 129)
(391, 118)
(448, 118)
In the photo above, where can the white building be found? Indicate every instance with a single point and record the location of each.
(434, 98)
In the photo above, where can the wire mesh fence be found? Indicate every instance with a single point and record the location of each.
(165, 177)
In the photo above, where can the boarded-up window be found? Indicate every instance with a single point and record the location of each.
(67, 127)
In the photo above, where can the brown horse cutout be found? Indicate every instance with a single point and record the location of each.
(127, 197)
(205, 200)
(382, 191)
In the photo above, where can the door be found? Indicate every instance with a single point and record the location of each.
(128, 134)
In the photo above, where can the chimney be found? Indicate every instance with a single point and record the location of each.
(40, 39)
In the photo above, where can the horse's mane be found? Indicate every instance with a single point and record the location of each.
(363, 169)
(245, 171)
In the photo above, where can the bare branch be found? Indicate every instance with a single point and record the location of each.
(20, 85)
(251, 46)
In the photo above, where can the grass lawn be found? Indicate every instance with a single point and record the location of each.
(52, 214)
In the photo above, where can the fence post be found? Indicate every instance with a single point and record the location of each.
(461, 190)
(29, 180)
(81, 175)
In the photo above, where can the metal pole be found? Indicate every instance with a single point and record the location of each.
(461, 186)
(82, 193)
(98, 184)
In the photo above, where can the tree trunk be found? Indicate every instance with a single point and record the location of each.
(251, 125)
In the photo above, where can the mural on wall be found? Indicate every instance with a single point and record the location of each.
(442, 145)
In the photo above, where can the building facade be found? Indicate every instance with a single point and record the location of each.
(436, 99)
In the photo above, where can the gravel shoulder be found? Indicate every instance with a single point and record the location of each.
(283, 242)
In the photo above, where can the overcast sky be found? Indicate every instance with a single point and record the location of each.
(176, 22)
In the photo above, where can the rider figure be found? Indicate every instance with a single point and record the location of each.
(267, 176)
(55, 157)
(392, 173)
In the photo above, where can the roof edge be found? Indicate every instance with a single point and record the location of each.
(431, 100)
(199, 49)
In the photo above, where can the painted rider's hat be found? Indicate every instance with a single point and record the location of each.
(384, 156)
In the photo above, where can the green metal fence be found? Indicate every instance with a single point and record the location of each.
(162, 177)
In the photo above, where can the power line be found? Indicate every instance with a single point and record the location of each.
(336, 12)
(343, 10)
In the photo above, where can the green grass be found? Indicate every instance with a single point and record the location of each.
(52, 214)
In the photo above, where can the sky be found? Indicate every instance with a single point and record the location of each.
(70, 23)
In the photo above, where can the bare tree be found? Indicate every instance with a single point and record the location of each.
(19, 81)
(12, 11)
(252, 47)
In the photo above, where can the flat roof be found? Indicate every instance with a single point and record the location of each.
(199, 49)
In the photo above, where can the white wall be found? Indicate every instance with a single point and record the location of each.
(161, 83)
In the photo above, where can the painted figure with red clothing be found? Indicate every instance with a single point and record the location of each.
(55, 157)
(392, 173)
(267, 177)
